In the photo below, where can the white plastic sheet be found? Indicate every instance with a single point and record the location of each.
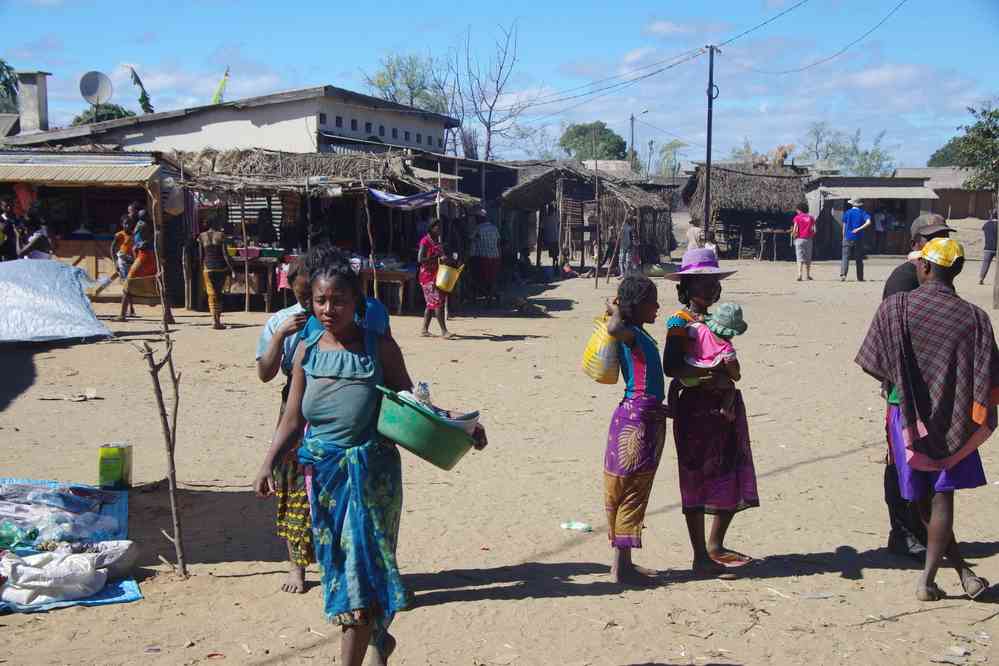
(50, 577)
(43, 300)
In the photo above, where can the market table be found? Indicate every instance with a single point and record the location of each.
(774, 235)
(402, 279)
(261, 267)
(91, 253)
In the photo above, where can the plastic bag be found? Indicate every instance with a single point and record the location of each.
(601, 358)
(49, 577)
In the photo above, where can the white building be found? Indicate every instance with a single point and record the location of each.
(308, 120)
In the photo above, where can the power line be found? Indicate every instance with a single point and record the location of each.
(683, 57)
(614, 88)
(672, 134)
(834, 55)
(617, 76)
(767, 22)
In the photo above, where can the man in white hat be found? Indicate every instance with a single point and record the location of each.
(855, 221)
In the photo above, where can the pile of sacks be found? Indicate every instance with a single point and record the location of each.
(70, 572)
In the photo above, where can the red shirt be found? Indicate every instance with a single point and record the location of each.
(431, 249)
(805, 224)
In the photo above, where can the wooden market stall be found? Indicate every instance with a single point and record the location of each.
(570, 190)
(82, 195)
(277, 205)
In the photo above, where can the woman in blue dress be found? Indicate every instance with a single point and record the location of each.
(354, 477)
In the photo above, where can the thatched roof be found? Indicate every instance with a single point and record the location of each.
(761, 189)
(537, 182)
(234, 173)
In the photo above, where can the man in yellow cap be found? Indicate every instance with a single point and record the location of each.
(939, 354)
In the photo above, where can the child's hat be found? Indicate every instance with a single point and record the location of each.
(727, 320)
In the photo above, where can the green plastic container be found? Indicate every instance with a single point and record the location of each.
(421, 432)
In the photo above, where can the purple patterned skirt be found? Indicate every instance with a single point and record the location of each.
(713, 454)
(634, 448)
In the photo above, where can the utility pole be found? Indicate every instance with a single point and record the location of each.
(712, 95)
(598, 260)
(651, 143)
(632, 153)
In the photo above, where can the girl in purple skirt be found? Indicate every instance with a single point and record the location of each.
(638, 427)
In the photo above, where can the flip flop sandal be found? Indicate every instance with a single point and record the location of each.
(732, 559)
(983, 585)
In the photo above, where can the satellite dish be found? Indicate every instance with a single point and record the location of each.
(96, 87)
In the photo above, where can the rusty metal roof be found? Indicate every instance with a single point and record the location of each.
(78, 174)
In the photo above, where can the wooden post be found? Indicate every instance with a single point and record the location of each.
(371, 242)
(357, 224)
(308, 217)
(599, 259)
(169, 426)
(537, 241)
(391, 231)
(246, 253)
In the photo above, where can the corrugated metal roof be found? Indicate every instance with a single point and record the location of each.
(940, 178)
(878, 193)
(56, 174)
(428, 174)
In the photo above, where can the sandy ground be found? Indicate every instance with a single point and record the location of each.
(496, 581)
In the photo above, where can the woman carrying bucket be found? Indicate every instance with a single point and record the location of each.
(354, 475)
(429, 258)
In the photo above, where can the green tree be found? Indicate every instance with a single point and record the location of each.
(978, 149)
(409, 80)
(8, 88)
(855, 160)
(669, 158)
(578, 141)
(102, 112)
(946, 155)
(821, 142)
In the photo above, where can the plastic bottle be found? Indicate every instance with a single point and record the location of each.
(577, 526)
(422, 393)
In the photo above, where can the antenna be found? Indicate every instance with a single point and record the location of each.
(96, 89)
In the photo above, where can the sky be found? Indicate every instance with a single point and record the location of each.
(913, 77)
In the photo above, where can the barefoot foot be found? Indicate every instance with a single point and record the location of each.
(294, 583)
(383, 652)
(635, 575)
(929, 592)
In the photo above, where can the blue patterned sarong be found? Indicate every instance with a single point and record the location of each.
(356, 487)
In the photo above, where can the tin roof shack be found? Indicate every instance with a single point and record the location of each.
(956, 201)
(564, 194)
(83, 194)
(746, 201)
(902, 200)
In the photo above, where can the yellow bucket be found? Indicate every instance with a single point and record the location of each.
(447, 277)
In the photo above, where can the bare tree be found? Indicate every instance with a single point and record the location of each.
(445, 86)
(487, 89)
(470, 142)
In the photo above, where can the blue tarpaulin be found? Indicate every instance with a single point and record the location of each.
(43, 299)
(412, 202)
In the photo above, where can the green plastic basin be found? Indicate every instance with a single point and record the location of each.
(421, 432)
